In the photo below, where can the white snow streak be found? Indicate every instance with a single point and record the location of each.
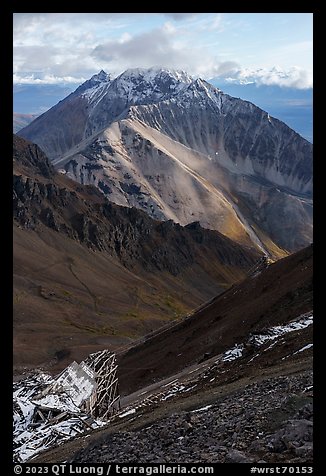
(202, 409)
(129, 412)
(308, 346)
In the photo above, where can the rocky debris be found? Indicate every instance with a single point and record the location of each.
(296, 435)
(235, 456)
(234, 429)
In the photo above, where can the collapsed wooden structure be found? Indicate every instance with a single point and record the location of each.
(92, 386)
(106, 400)
(49, 410)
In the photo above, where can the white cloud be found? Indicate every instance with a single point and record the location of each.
(78, 44)
(217, 23)
(125, 37)
(168, 27)
(47, 79)
(36, 57)
(66, 30)
(158, 47)
(294, 77)
(226, 68)
(61, 47)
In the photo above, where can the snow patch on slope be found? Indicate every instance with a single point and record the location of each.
(275, 332)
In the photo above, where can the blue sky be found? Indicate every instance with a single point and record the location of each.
(261, 48)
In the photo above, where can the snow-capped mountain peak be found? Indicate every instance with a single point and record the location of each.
(142, 85)
(95, 88)
(137, 137)
(155, 73)
(90, 88)
(146, 86)
(100, 77)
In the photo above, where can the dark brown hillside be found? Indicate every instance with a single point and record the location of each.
(82, 213)
(280, 293)
(29, 159)
(89, 274)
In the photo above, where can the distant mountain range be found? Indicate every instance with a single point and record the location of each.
(22, 120)
(38, 98)
(179, 148)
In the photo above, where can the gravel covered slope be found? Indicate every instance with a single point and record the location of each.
(267, 421)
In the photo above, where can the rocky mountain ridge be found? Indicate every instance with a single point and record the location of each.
(89, 273)
(126, 233)
(179, 148)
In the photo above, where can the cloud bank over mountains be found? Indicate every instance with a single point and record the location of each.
(58, 48)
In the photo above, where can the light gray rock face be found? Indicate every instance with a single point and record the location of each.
(246, 139)
(181, 149)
